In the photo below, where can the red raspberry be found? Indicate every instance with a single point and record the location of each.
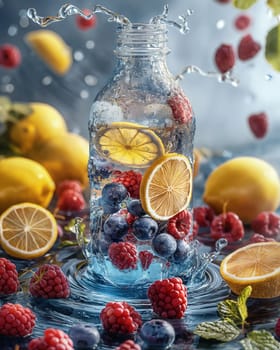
(223, 1)
(86, 24)
(180, 224)
(49, 282)
(224, 58)
(131, 180)
(277, 329)
(181, 108)
(120, 317)
(145, 258)
(203, 216)
(266, 223)
(73, 185)
(128, 345)
(53, 339)
(123, 255)
(9, 281)
(128, 216)
(16, 320)
(10, 56)
(248, 48)
(258, 124)
(227, 225)
(168, 297)
(242, 22)
(71, 200)
(256, 238)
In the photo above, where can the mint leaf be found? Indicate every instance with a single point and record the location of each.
(275, 6)
(243, 4)
(242, 306)
(260, 340)
(272, 47)
(219, 330)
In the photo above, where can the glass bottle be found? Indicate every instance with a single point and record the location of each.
(137, 121)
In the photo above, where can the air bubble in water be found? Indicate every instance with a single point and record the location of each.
(78, 56)
(12, 30)
(90, 80)
(47, 80)
(268, 77)
(90, 44)
(84, 94)
(220, 24)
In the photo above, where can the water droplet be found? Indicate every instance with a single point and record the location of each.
(78, 56)
(84, 94)
(268, 77)
(220, 24)
(47, 80)
(12, 30)
(90, 80)
(90, 44)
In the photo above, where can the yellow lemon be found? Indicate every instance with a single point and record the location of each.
(51, 48)
(244, 185)
(42, 124)
(65, 157)
(257, 265)
(24, 180)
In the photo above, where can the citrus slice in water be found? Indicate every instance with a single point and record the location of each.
(27, 231)
(166, 186)
(129, 144)
(257, 265)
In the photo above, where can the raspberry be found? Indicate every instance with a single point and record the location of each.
(277, 329)
(71, 200)
(10, 56)
(49, 282)
(120, 317)
(84, 23)
(168, 297)
(242, 22)
(248, 48)
(16, 320)
(69, 185)
(53, 339)
(267, 224)
(258, 124)
(145, 258)
(223, 1)
(181, 108)
(131, 180)
(224, 58)
(227, 225)
(123, 255)
(128, 345)
(180, 224)
(9, 281)
(256, 238)
(203, 216)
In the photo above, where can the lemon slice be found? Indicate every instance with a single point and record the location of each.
(27, 231)
(51, 48)
(166, 187)
(129, 144)
(257, 265)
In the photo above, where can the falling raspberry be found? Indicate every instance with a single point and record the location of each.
(10, 56)
(258, 124)
(242, 22)
(248, 48)
(181, 108)
(84, 23)
(224, 58)
(180, 225)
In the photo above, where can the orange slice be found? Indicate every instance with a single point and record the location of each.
(257, 265)
(27, 231)
(129, 144)
(166, 186)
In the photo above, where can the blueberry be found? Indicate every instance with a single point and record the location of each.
(164, 245)
(157, 334)
(84, 336)
(182, 250)
(115, 227)
(145, 228)
(135, 208)
(110, 208)
(113, 193)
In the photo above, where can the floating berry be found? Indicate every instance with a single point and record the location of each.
(145, 228)
(131, 180)
(71, 200)
(157, 334)
(164, 245)
(181, 108)
(128, 345)
(145, 258)
(10, 56)
(180, 224)
(242, 22)
(49, 281)
(267, 224)
(277, 329)
(257, 238)
(182, 251)
(53, 339)
(73, 185)
(258, 123)
(16, 320)
(123, 255)
(228, 226)
(168, 297)
(84, 23)
(203, 216)
(114, 193)
(120, 317)
(135, 208)
(248, 48)
(224, 58)
(84, 336)
(9, 281)
(115, 227)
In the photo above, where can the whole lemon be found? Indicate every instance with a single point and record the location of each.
(244, 185)
(24, 180)
(65, 157)
(42, 124)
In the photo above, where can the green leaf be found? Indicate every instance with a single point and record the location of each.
(219, 330)
(243, 4)
(242, 303)
(272, 47)
(260, 340)
(275, 6)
